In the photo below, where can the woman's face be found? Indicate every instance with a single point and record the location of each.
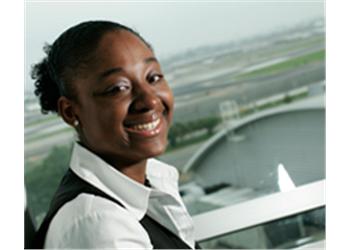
(125, 105)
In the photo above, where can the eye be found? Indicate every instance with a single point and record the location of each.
(154, 78)
(117, 88)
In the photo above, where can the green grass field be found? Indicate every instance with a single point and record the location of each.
(287, 65)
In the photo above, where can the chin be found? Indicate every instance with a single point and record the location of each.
(156, 150)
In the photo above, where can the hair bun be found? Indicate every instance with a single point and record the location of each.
(46, 88)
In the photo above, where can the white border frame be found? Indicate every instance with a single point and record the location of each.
(260, 210)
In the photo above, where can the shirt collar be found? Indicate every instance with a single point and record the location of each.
(88, 166)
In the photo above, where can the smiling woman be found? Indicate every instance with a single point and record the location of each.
(104, 80)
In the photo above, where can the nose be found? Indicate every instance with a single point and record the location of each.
(145, 100)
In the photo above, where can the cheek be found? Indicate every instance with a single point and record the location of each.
(112, 120)
(168, 98)
(170, 101)
(104, 121)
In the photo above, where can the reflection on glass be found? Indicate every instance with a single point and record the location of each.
(285, 183)
(290, 232)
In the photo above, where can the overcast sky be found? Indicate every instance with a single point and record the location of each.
(169, 26)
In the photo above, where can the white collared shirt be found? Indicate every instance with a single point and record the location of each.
(90, 221)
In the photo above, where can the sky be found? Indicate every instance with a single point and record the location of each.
(170, 26)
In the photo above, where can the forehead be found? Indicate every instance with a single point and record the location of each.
(121, 48)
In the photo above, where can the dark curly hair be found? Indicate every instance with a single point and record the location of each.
(65, 59)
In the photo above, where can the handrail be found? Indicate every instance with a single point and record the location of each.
(260, 210)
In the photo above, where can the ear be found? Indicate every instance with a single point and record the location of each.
(66, 110)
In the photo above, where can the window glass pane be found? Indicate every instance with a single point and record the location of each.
(294, 231)
(216, 87)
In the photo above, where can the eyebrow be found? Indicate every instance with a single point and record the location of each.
(118, 69)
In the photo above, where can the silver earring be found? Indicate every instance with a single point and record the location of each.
(76, 123)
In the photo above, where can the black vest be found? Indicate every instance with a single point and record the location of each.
(72, 185)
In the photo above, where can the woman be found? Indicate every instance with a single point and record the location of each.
(103, 79)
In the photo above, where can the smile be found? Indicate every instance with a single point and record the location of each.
(146, 126)
(149, 129)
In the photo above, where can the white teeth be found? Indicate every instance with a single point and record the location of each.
(147, 126)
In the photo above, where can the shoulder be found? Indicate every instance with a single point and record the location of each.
(91, 221)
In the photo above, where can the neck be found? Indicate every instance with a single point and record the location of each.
(134, 170)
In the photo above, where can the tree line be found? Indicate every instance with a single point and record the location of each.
(179, 130)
